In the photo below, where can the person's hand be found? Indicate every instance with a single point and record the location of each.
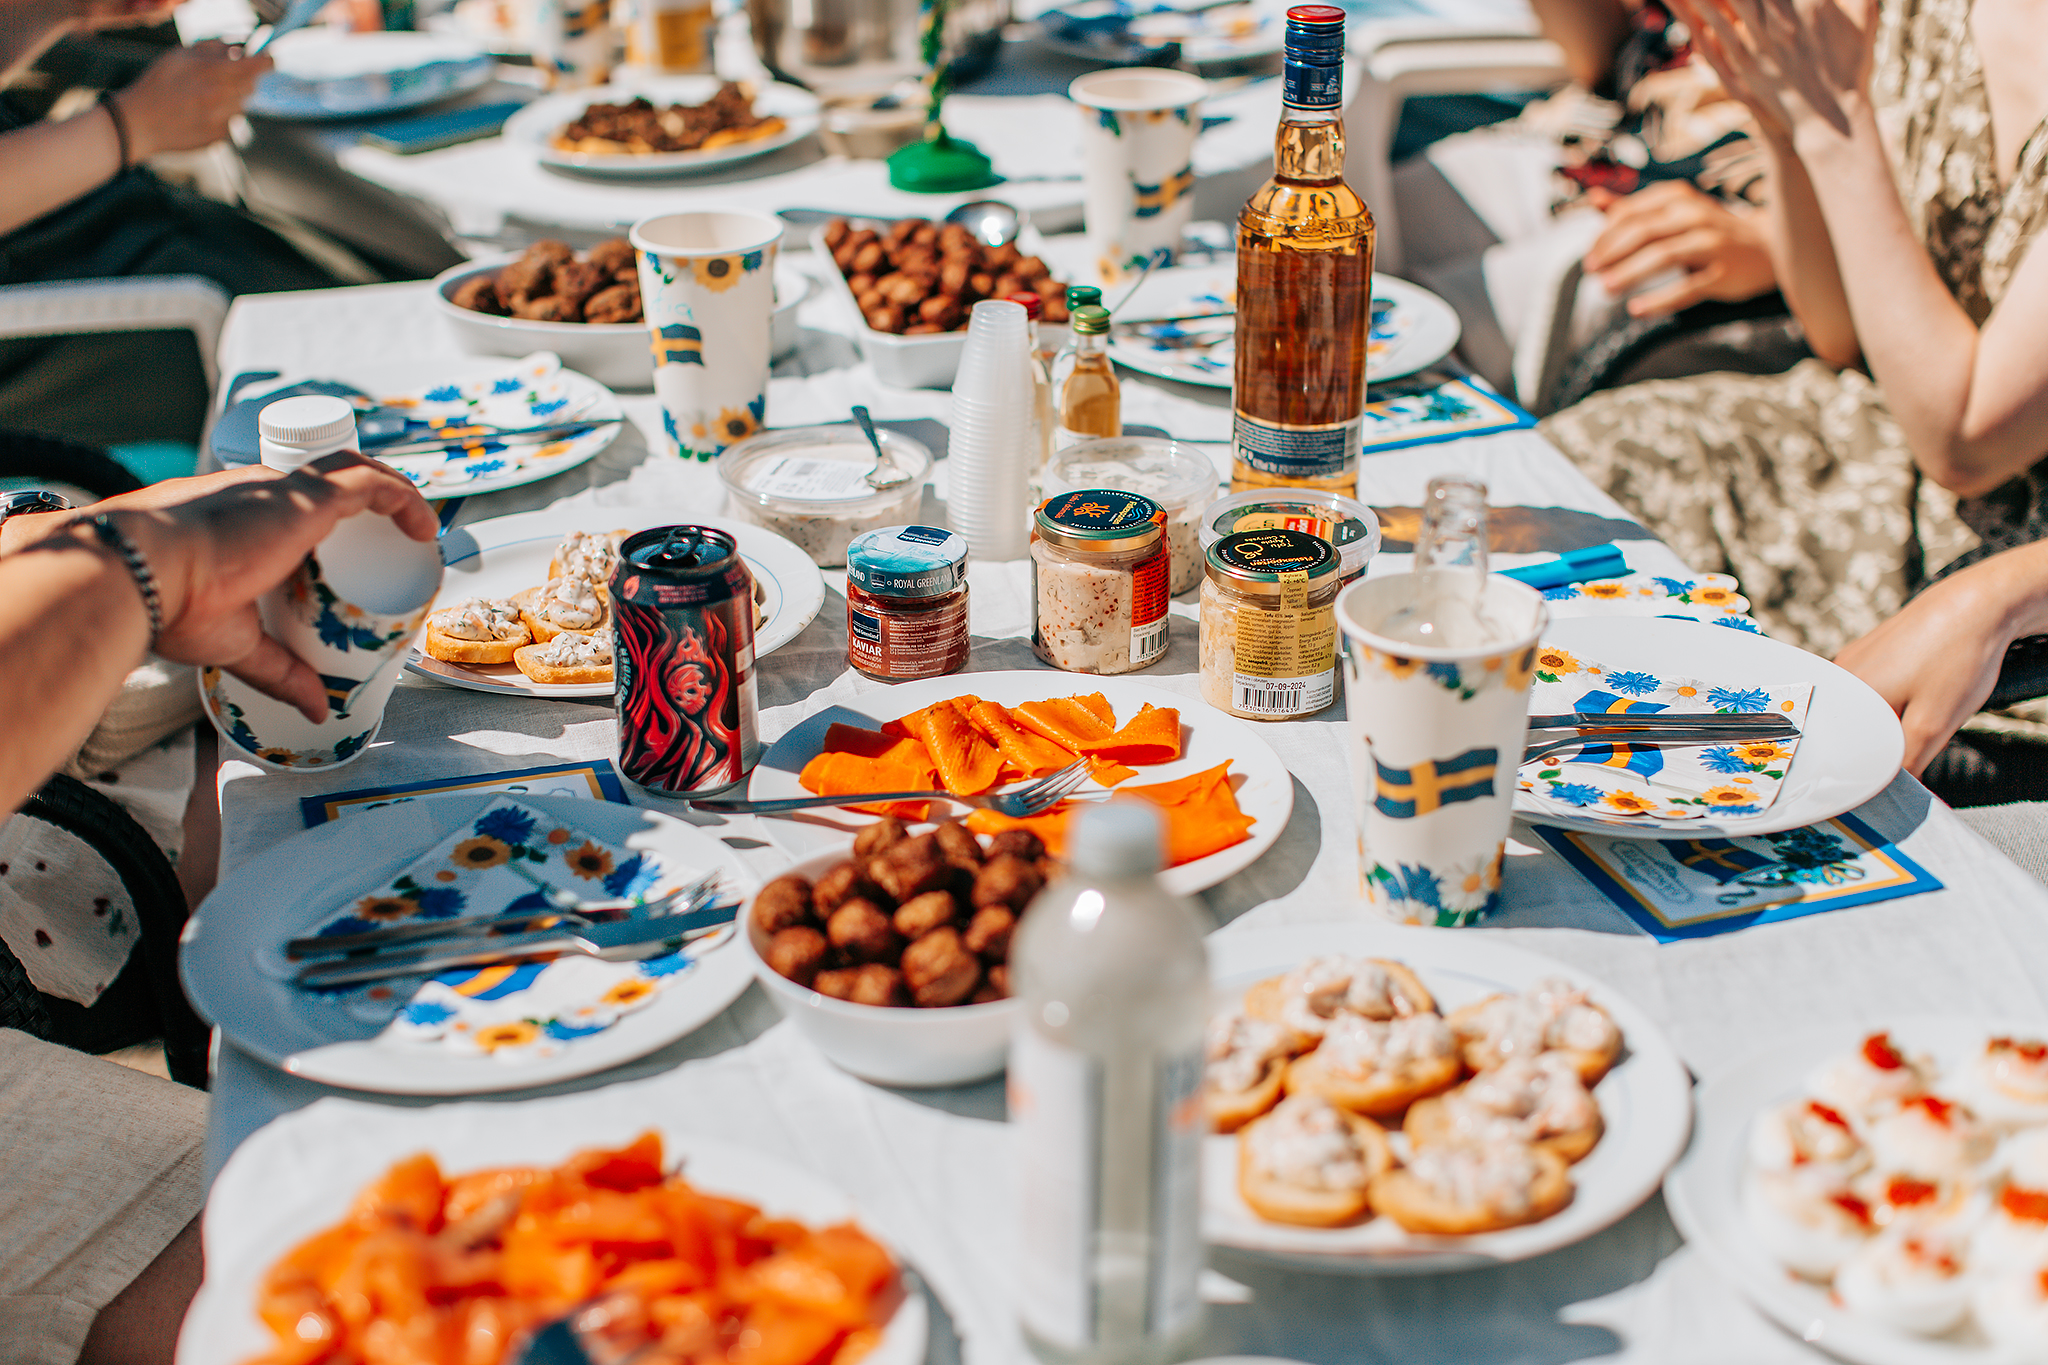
(1673, 224)
(1936, 661)
(99, 14)
(187, 97)
(1794, 63)
(218, 543)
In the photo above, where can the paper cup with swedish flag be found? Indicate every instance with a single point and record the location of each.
(1138, 129)
(707, 285)
(1435, 737)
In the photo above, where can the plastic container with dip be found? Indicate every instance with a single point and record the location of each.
(1173, 474)
(1345, 522)
(1098, 581)
(1269, 625)
(809, 485)
(906, 603)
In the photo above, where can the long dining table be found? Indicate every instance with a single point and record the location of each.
(932, 1168)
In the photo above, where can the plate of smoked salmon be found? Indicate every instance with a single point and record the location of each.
(1225, 793)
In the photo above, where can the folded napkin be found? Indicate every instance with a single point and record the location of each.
(1672, 787)
(531, 1011)
(1710, 597)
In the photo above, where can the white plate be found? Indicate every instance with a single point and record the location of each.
(1420, 330)
(1266, 791)
(535, 126)
(232, 968)
(1850, 751)
(299, 1174)
(325, 74)
(505, 555)
(1704, 1191)
(516, 465)
(1645, 1100)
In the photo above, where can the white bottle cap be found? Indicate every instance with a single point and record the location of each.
(296, 430)
(1117, 839)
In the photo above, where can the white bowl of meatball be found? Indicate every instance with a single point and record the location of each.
(893, 958)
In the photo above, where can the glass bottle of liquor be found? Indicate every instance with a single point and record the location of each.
(1304, 284)
(1448, 610)
(1090, 402)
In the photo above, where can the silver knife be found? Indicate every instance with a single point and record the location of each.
(1637, 720)
(617, 941)
(523, 436)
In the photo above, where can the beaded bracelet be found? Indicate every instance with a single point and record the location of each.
(120, 124)
(118, 540)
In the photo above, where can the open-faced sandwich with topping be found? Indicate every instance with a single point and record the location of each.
(569, 657)
(476, 632)
(1551, 1016)
(1473, 1187)
(1310, 1163)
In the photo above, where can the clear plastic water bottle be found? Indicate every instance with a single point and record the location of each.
(1448, 611)
(1105, 1090)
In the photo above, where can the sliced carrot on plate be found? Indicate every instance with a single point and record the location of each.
(967, 763)
(1151, 736)
(1028, 752)
(1068, 721)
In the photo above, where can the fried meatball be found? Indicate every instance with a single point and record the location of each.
(575, 282)
(986, 994)
(920, 915)
(939, 969)
(841, 884)
(958, 843)
(1008, 881)
(1018, 843)
(798, 953)
(910, 868)
(545, 308)
(861, 930)
(879, 984)
(620, 303)
(478, 293)
(614, 258)
(838, 982)
(988, 933)
(999, 978)
(877, 837)
(783, 904)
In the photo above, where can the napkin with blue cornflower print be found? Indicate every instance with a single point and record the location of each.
(496, 866)
(1675, 786)
(526, 393)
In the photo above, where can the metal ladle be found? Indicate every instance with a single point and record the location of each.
(895, 478)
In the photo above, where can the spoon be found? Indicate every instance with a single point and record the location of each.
(875, 477)
(990, 220)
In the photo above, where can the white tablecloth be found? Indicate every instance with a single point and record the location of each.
(934, 1167)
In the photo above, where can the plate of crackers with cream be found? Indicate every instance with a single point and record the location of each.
(663, 126)
(1392, 1100)
(525, 604)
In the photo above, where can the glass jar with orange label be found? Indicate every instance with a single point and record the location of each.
(1099, 581)
(1269, 624)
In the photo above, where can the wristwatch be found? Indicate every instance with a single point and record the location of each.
(30, 500)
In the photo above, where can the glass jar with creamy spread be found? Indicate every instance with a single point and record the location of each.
(1177, 476)
(906, 603)
(1269, 625)
(1099, 581)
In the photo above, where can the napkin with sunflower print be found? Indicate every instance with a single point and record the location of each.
(1677, 786)
(496, 866)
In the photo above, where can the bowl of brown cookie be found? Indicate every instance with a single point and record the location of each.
(582, 305)
(892, 957)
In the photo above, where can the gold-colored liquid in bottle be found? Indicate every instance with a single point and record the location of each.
(1304, 285)
(1090, 400)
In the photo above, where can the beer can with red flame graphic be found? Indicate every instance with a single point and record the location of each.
(683, 632)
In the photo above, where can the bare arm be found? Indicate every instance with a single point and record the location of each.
(72, 622)
(1803, 259)
(1973, 403)
(1589, 31)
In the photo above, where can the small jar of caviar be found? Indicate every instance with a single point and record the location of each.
(906, 603)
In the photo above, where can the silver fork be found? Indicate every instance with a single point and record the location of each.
(1671, 737)
(693, 897)
(1031, 799)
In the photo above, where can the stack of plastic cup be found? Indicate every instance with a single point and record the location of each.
(989, 455)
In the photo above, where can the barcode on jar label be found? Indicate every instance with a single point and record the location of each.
(1285, 696)
(1148, 641)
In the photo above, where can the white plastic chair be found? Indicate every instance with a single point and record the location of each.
(140, 303)
(1404, 58)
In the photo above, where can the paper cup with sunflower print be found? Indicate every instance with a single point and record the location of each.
(1138, 130)
(1435, 737)
(707, 285)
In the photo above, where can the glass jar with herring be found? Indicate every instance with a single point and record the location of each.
(1099, 581)
(1268, 625)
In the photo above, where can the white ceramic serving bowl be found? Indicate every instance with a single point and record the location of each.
(615, 354)
(909, 1047)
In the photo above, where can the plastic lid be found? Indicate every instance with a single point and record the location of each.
(822, 471)
(907, 561)
(1032, 305)
(682, 550)
(1166, 471)
(1081, 295)
(1346, 522)
(941, 165)
(1117, 839)
(311, 419)
(1091, 319)
(1101, 520)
